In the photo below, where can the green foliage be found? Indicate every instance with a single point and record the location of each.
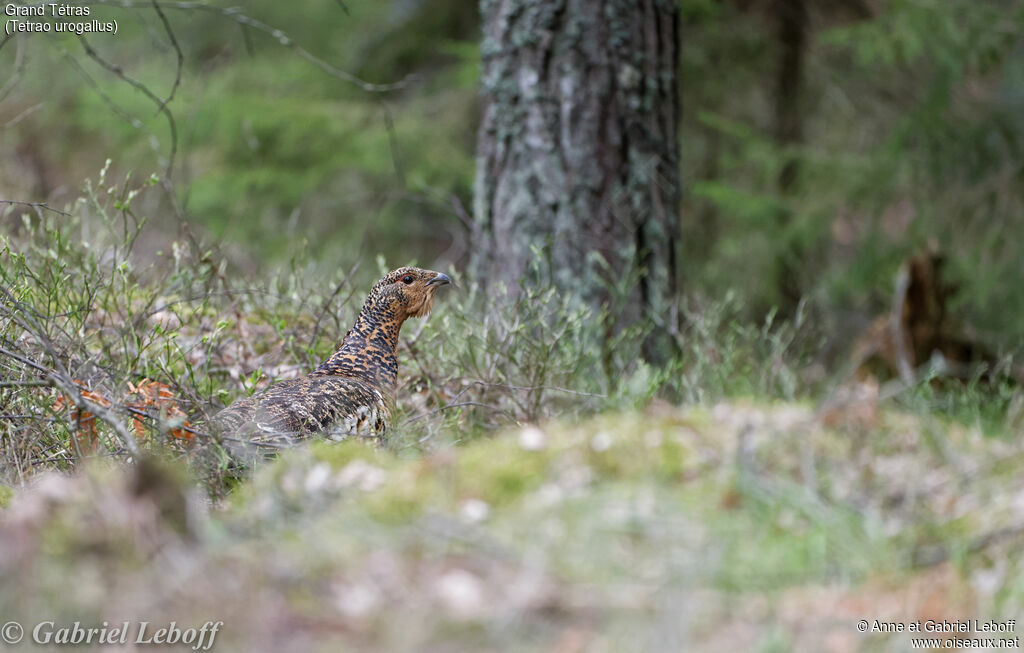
(411, 42)
(911, 133)
(84, 302)
(910, 122)
(266, 141)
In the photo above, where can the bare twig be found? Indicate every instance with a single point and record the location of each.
(327, 302)
(121, 113)
(177, 50)
(236, 15)
(137, 412)
(37, 206)
(389, 127)
(142, 88)
(538, 387)
(59, 374)
(23, 115)
(24, 384)
(24, 361)
(410, 342)
(460, 404)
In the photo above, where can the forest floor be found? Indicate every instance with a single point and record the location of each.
(744, 526)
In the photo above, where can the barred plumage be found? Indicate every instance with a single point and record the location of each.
(351, 393)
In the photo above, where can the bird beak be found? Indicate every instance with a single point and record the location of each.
(439, 280)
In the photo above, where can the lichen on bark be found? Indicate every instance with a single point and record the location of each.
(578, 149)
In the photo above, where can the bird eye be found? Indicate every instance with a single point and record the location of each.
(407, 279)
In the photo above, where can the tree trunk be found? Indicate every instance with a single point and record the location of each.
(577, 154)
(791, 34)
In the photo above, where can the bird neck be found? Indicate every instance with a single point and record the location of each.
(369, 351)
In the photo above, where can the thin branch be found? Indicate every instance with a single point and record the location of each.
(389, 128)
(24, 361)
(60, 455)
(250, 49)
(460, 404)
(236, 15)
(124, 115)
(327, 302)
(38, 206)
(121, 113)
(539, 387)
(142, 88)
(106, 414)
(25, 384)
(177, 50)
(24, 114)
(161, 423)
(60, 376)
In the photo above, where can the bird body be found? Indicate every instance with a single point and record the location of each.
(352, 392)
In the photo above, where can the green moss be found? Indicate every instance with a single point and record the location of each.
(407, 494)
(340, 454)
(6, 496)
(631, 446)
(499, 471)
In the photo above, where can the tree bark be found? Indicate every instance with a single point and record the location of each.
(791, 22)
(578, 153)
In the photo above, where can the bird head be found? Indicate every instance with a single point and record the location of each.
(406, 292)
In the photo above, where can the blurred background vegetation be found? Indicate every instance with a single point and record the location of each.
(909, 125)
